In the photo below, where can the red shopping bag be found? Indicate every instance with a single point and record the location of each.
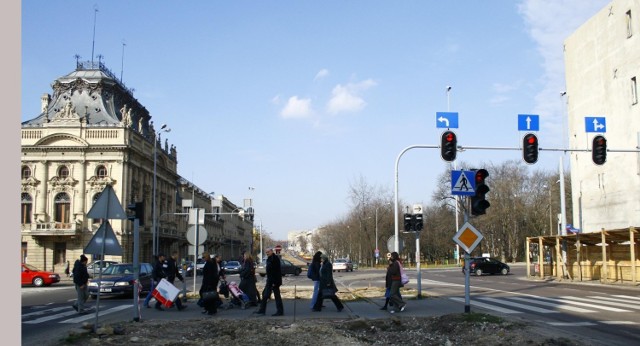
(165, 293)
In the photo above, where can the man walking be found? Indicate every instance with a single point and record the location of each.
(172, 273)
(159, 272)
(274, 281)
(81, 280)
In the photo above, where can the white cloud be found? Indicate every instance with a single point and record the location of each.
(276, 100)
(346, 98)
(297, 108)
(321, 74)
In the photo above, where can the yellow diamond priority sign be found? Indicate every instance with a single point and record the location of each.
(468, 237)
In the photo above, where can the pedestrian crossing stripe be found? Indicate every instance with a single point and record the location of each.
(555, 305)
(518, 305)
(488, 306)
(83, 318)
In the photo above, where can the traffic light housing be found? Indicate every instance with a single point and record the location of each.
(478, 202)
(417, 222)
(138, 212)
(530, 148)
(408, 222)
(448, 146)
(599, 150)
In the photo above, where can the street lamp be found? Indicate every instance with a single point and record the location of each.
(154, 230)
(377, 232)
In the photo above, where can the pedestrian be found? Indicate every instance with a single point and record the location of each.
(313, 273)
(394, 282)
(66, 269)
(328, 287)
(210, 278)
(81, 281)
(172, 273)
(387, 291)
(160, 270)
(274, 281)
(153, 286)
(248, 279)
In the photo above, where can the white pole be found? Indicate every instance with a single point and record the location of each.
(377, 235)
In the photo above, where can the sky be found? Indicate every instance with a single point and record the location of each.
(290, 103)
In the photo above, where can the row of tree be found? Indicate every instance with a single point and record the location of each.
(524, 203)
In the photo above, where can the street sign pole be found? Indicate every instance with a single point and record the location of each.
(136, 270)
(419, 276)
(467, 296)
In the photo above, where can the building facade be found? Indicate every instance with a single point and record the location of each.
(602, 62)
(92, 132)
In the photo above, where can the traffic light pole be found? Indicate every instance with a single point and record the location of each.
(467, 269)
(136, 270)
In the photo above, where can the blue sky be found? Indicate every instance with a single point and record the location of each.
(299, 99)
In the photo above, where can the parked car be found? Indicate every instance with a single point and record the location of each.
(342, 264)
(94, 267)
(232, 267)
(199, 266)
(118, 280)
(481, 265)
(34, 276)
(189, 270)
(286, 267)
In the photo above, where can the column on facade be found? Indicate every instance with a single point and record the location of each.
(42, 174)
(79, 199)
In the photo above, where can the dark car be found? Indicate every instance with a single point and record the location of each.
(286, 267)
(232, 267)
(34, 276)
(118, 280)
(482, 265)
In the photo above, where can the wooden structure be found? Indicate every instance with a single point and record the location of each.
(586, 257)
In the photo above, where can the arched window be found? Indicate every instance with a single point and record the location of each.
(63, 172)
(26, 172)
(101, 171)
(95, 199)
(62, 208)
(27, 204)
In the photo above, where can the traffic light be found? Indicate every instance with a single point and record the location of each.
(138, 212)
(478, 202)
(448, 146)
(599, 150)
(530, 148)
(417, 222)
(408, 222)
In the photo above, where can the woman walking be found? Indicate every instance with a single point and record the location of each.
(394, 282)
(248, 279)
(328, 287)
(313, 273)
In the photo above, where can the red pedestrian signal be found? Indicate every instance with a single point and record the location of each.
(448, 146)
(599, 150)
(530, 148)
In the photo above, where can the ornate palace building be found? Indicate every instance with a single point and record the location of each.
(92, 132)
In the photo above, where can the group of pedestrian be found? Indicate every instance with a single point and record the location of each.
(164, 268)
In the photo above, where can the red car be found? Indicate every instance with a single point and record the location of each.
(32, 275)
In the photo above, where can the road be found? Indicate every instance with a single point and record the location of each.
(606, 313)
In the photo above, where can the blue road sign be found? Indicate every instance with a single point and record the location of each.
(595, 124)
(463, 183)
(447, 120)
(528, 122)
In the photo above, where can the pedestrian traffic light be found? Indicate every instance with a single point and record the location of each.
(478, 202)
(408, 222)
(138, 212)
(530, 148)
(417, 219)
(599, 150)
(448, 146)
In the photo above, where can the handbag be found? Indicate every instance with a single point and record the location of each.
(404, 278)
(209, 295)
(328, 292)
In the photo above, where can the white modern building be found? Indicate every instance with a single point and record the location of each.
(602, 62)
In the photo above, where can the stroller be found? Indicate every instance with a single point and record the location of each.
(235, 295)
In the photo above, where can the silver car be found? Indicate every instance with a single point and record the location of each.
(342, 264)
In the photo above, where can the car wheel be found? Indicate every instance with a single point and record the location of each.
(298, 272)
(504, 271)
(478, 272)
(38, 281)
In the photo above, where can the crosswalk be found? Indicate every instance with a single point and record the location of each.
(66, 314)
(588, 305)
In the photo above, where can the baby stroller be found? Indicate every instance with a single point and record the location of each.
(236, 296)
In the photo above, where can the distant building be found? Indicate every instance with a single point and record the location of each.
(602, 62)
(300, 241)
(92, 133)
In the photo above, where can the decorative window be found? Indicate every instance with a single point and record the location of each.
(101, 171)
(95, 199)
(25, 172)
(62, 208)
(629, 24)
(634, 91)
(26, 208)
(63, 172)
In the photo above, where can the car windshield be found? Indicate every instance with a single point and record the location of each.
(341, 261)
(233, 264)
(119, 269)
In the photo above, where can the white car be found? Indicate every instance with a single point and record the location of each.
(342, 264)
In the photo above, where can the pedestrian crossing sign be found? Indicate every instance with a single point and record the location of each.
(463, 183)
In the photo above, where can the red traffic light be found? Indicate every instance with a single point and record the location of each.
(448, 146)
(599, 150)
(530, 148)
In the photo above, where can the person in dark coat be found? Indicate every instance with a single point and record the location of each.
(394, 282)
(327, 283)
(81, 281)
(160, 270)
(248, 279)
(274, 281)
(313, 273)
(210, 279)
(172, 273)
